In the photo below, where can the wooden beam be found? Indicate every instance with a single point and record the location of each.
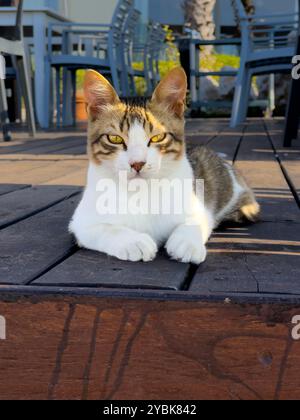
(88, 348)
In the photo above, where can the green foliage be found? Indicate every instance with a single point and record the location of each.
(171, 52)
(164, 68)
(170, 60)
(79, 79)
(215, 62)
(140, 82)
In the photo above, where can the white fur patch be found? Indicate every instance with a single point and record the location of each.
(237, 191)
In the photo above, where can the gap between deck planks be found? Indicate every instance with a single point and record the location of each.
(65, 154)
(26, 202)
(41, 146)
(289, 158)
(40, 172)
(8, 188)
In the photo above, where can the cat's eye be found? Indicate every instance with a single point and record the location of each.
(116, 139)
(158, 139)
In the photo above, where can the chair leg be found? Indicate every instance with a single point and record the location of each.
(245, 97)
(129, 87)
(114, 69)
(4, 112)
(74, 97)
(48, 95)
(124, 80)
(146, 73)
(272, 95)
(19, 88)
(194, 66)
(58, 111)
(241, 98)
(292, 114)
(67, 98)
(27, 94)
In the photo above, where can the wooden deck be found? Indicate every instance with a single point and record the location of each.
(82, 325)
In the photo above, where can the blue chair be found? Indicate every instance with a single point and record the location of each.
(267, 48)
(197, 73)
(83, 46)
(150, 52)
(156, 45)
(127, 55)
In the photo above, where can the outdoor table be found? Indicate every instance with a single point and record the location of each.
(38, 19)
(292, 115)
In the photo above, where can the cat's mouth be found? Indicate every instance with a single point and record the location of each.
(138, 175)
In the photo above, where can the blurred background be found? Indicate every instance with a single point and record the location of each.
(154, 36)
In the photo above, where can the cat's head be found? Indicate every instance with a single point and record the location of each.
(141, 139)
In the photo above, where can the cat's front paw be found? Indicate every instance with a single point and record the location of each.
(134, 247)
(186, 245)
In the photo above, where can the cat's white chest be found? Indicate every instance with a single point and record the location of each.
(152, 207)
(149, 209)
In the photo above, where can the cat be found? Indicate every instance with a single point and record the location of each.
(146, 141)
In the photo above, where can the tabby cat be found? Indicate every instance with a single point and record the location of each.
(147, 141)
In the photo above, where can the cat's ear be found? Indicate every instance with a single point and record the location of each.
(171, 91)
(98, 93)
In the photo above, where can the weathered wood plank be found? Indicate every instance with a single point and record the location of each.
(8, 188)
(77, 178)
(227, 142)
(77, 149)
(198, 139)
(38, 172)
(42, 158)
(257, 162)
(54, 143)
(50, 331)
(202, 132)
(47, 242)
(35, 244)
(87, 268)
(10, 170)
(24, 203)
(205, 125)
(85, 348)
(224, 142)
(289, 157)
(63, 147)
(263, 257)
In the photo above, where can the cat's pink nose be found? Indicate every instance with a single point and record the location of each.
(138, 166)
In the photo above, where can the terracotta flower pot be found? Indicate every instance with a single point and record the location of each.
(81, 113)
